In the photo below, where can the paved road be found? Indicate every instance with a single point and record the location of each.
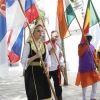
(12, 88)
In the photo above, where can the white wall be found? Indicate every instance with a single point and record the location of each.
(71, 48)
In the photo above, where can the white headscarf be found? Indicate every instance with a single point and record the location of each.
(30, 40)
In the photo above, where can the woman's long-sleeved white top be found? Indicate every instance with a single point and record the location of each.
(25, 54)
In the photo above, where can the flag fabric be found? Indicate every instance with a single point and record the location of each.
(3, 39)
(62, 25)
(95, 32)
(30, 11)
(14, 14)
(15, 41)
(91, 18)
(15, 38)
(65, 16)
(69, 13)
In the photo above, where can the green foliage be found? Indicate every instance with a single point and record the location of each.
(42, 14)
(72, 1)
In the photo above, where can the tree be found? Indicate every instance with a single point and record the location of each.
(72, 1)
(42, 14)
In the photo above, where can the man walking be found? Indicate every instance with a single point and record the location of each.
(87, 75)
(54, 69)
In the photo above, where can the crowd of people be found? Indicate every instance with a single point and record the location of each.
(36, 83)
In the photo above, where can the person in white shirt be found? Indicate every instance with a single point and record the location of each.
(54, 69)
(36, 84)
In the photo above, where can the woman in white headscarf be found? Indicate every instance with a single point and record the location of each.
(36, 84)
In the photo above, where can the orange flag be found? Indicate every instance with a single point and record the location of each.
(63, 28)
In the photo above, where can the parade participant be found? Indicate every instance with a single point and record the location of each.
(98, 52)
(98, 57)
(54, 69)
(36, 84)
(87, 74)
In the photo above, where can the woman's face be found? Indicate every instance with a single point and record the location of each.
(38, 32)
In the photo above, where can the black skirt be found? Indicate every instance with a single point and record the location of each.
(36, 84)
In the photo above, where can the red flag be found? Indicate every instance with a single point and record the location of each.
(30, 11)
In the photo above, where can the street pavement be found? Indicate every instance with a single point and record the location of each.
(12, 88)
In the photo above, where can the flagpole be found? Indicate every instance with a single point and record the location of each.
(43, 65)
(65, 70)
(86, 40)
(50, 42)
(24, 44)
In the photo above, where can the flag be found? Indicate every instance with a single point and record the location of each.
(14, 14)
(15, 41)
(30, 11)
(69, 13)
(15, 38)
(95, 32)
(3, 44)
(65, 15)
(91, 18)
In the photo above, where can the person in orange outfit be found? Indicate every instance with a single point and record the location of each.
(87, 74)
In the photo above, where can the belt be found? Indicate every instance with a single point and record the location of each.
(37, 63)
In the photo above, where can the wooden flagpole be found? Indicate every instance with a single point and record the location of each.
(51, 43)
(37, 50)
(65, 70)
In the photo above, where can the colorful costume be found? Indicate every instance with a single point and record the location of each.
(54, 70)
(36, 84)
(98, 56)
(87, 74)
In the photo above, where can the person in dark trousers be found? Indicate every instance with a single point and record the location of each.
(36, 84)
(55, 69)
